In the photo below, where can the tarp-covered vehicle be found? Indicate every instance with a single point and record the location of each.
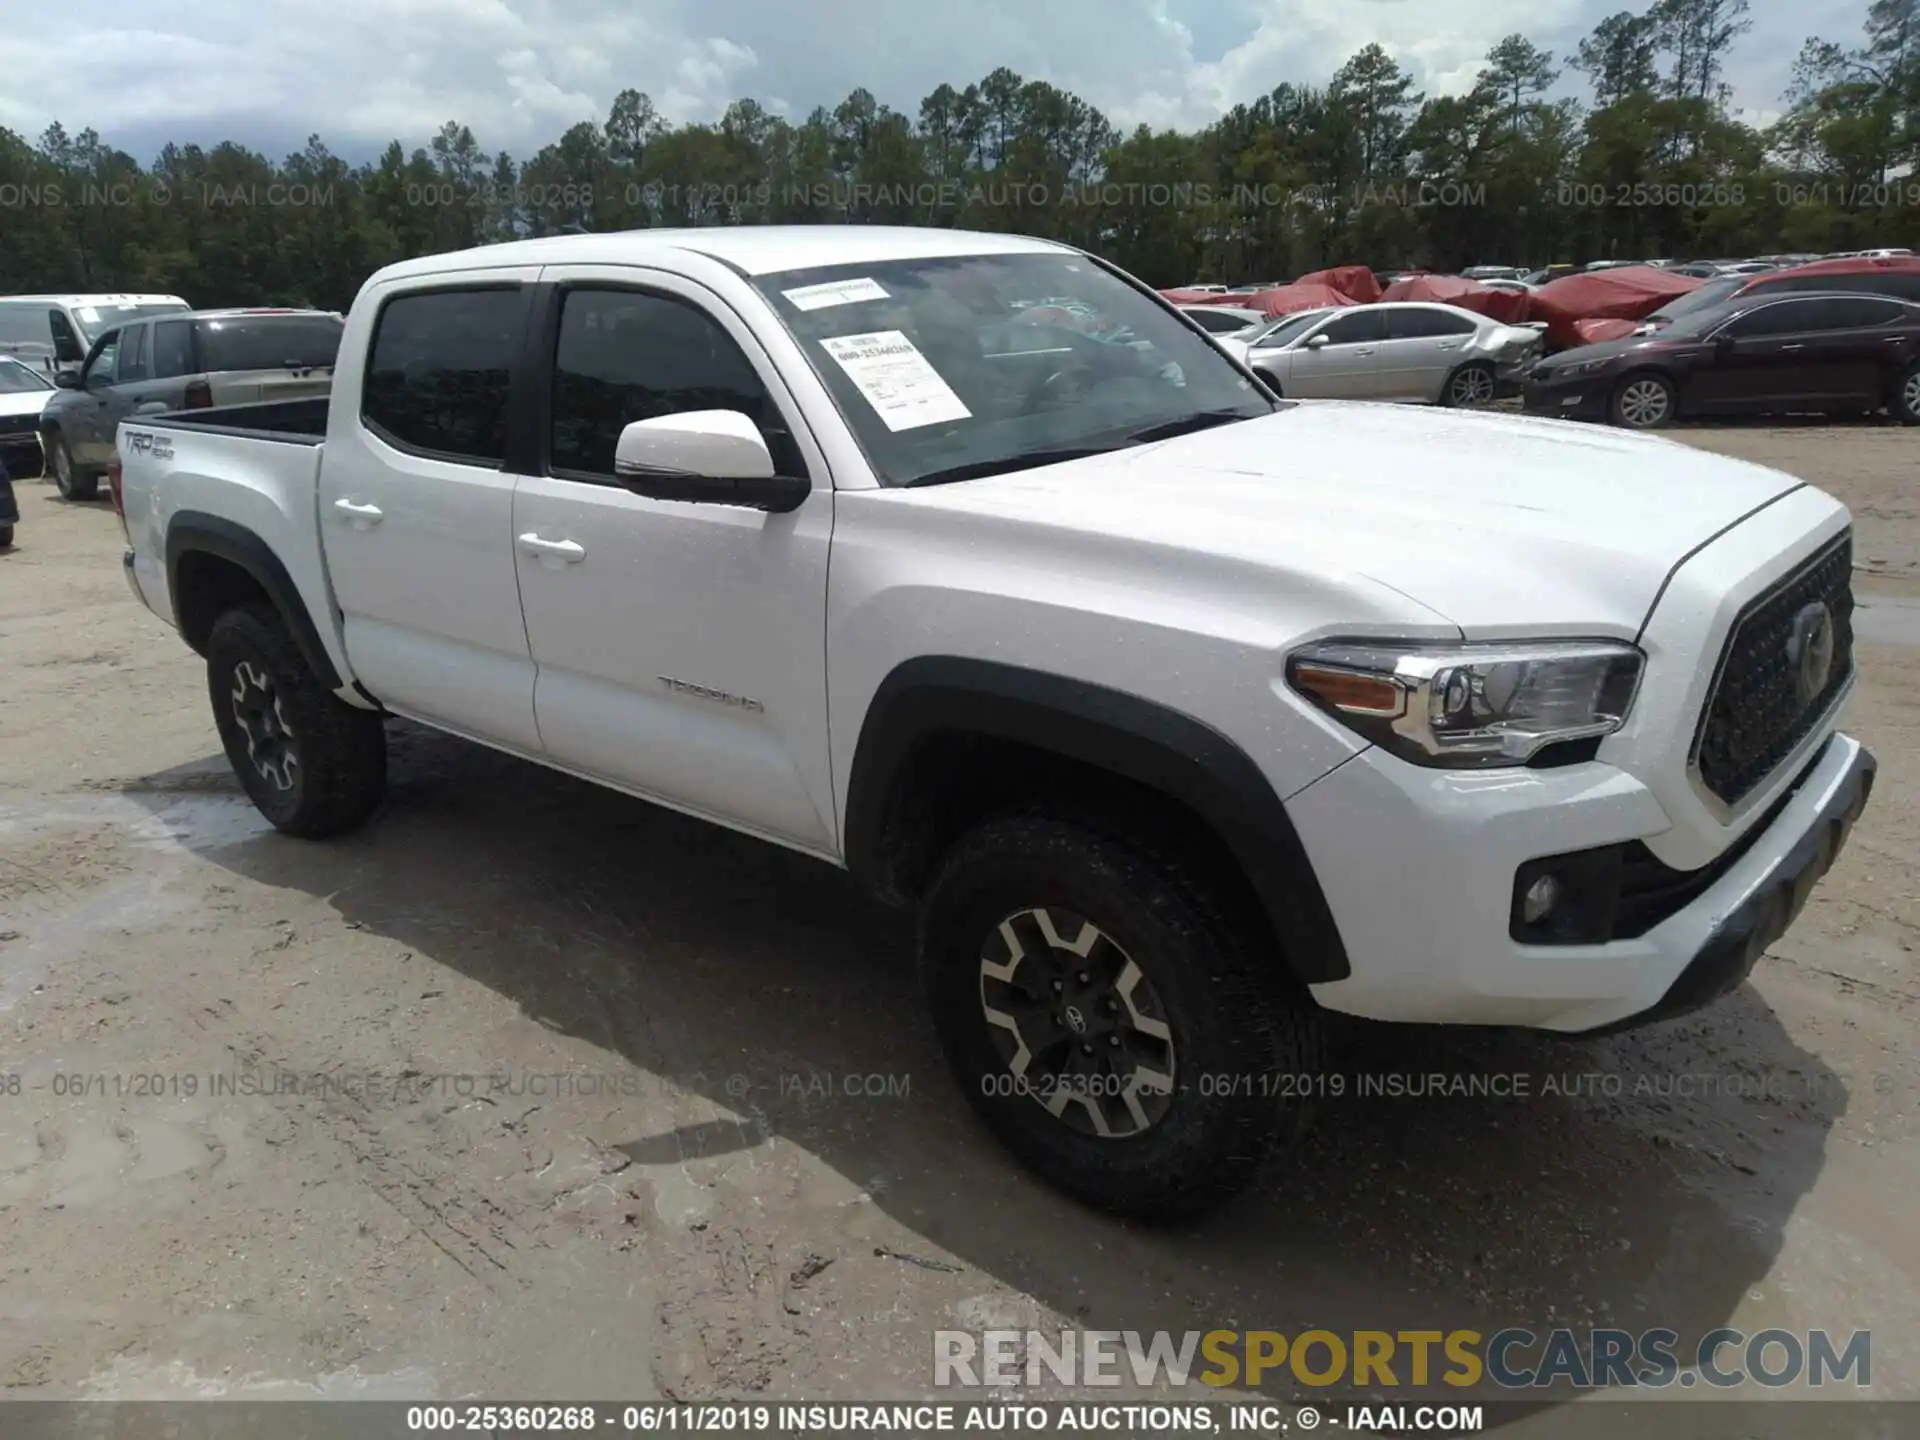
(1509, 307)
(1627, 292)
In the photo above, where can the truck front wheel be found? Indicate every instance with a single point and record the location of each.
(312, 764)
(1114, 1026)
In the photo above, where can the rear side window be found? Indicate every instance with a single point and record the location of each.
(66, 342)
(1216, 323)
(133, 353)
(172, 349)
(269, 342)
(1867, 310)
(1422, 324)
(439, 370)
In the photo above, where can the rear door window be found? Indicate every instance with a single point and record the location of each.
(1425, 324)
(172, 349)
(439, 370)
(133, 354)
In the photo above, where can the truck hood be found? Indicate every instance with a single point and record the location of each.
(1503, 525)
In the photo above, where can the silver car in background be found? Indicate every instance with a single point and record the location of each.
(1394, 350)
(1227, 320)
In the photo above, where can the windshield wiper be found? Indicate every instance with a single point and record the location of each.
(1186, 425)
(1007, 464)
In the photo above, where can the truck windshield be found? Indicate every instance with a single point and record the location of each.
(93, 321)
(958, 367)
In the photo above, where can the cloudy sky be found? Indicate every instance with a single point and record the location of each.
(359, 72)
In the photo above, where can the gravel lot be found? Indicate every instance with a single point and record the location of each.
(533, 1091)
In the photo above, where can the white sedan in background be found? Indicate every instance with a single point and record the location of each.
(1395, 350)
(1228, 320)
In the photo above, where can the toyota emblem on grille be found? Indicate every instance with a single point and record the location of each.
(1810, 651)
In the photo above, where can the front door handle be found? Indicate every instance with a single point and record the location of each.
(552, 553)
(1785, 348)
(364, 517)
(1365, 350)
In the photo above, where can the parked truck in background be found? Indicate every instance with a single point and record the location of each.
(1183, 714)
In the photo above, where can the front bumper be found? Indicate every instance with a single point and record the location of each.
(22, 455)
(1418, 867)
(1584, 397)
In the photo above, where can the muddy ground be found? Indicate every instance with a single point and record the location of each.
(531, 1090)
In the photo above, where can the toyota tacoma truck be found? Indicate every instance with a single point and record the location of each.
(1183, 714)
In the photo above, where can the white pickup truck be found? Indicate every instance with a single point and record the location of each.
(1183, 713)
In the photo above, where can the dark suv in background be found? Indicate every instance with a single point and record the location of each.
(181, 362)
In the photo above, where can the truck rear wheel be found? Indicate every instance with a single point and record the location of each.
(1115, 1028)
(312, 764)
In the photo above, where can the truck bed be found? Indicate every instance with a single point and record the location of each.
(289, 422)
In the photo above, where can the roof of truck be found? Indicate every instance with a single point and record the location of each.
(756, 249)
(98, 299)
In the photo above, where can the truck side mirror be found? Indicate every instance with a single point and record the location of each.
(713, 457)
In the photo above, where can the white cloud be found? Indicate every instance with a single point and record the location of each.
(360, 72)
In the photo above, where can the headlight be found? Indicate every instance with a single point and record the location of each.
(1585, 367)
(1468, 706)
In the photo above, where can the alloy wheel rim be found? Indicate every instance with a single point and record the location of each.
(270, 740)
(1644, 402)
(1472, 387)
(1912, 393)
(1077, 1023)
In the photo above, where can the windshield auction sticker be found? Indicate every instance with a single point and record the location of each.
(904, 390)
(837, 292)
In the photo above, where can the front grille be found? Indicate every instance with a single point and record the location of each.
(1758, 709)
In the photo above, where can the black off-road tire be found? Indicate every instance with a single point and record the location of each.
(1247, 1042)
(339, 752)
(72, 482)
(6, 537)
(1903, 403)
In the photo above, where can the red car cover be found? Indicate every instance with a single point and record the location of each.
(1356, 282)
(1509, 307)
(1631, 292)
(1287, 299)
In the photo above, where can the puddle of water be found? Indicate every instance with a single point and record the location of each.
(141, 1380)
(1890, 619)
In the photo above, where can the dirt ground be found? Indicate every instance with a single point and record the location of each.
(533, 1091)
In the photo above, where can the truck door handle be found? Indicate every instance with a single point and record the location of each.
(552, 552)
(363, 516)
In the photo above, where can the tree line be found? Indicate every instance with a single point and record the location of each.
(1362, 169)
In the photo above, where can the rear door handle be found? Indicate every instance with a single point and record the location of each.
(552, 553)
(363, 516)
(1792, 347)
(1449, 344)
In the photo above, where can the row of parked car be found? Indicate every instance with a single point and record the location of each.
(72, 367)
(1836, 335)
